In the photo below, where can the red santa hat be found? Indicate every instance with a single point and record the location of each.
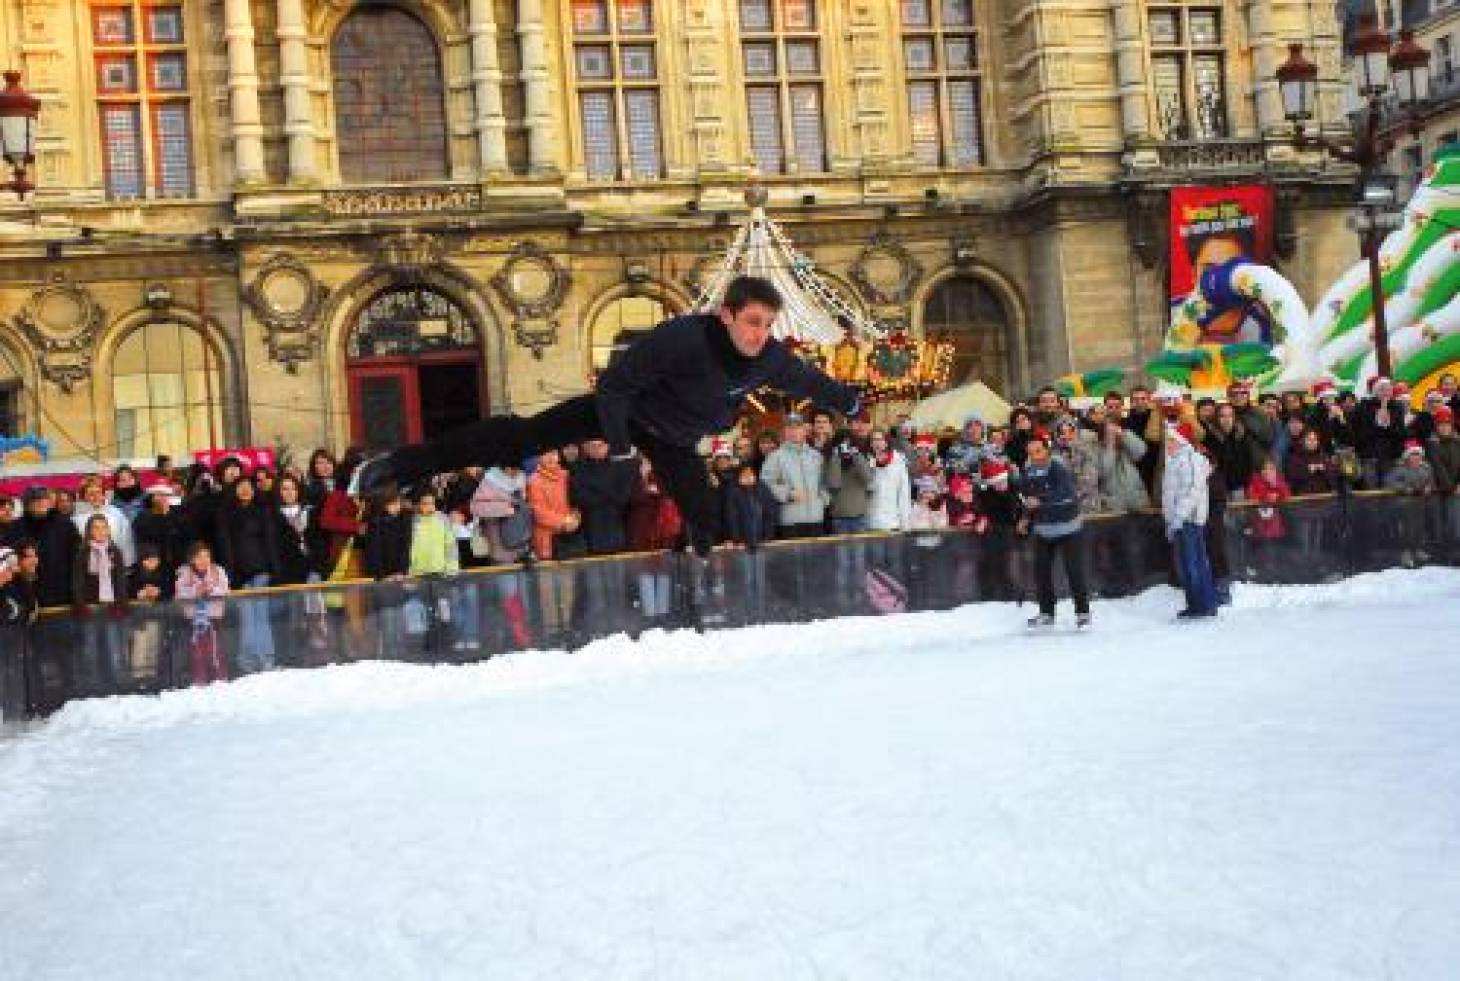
(959, 484)
(720, 446)
(1324, 388)
(1444, 414)
(994, 471)
(1413, 447)
(1376, 380)
(925, 441)
(1401, 390)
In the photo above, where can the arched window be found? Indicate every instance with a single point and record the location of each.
(619, 323)
(408, 321)
(11, 385)
(167, 390)
(390, 112)
(966, 312)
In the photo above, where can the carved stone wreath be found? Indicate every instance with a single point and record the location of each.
(62, 321)
(533, 284)
(287, 300)
(885, 271)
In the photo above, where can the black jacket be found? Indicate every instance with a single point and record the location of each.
(600, 490)
(1054, 486)
(748, 515)
(18, 603)
(162, 577)
(1376, 442)
(1234, 454)
(86, 585)
(248, 540)
(388, 546)
(57, 542)
(302, 553)
(685, 380)
(169, 532)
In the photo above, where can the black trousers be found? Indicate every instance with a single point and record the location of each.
(1071, 549)
(502, 441)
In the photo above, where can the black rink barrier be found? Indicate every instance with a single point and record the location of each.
(475, 615)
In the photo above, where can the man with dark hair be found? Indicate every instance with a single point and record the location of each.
(671, 388)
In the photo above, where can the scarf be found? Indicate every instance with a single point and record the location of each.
(99, 564)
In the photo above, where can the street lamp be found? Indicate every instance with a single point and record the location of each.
(18, 112)
(1376, 66)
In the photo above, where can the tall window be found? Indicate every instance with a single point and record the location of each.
(780, 48)
(620, 323)
(390, 102)
(940, 50)
(142, 96)
(966, 312)
(10, 384)
(1187, 53)
(167, 391)
(617, 66)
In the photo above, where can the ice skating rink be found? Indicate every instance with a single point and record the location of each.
(1274, 795)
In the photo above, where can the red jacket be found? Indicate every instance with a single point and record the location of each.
(654, 520)
(1267, 520)
(340, 516)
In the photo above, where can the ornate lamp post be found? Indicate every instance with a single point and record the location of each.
(1376, 67)
(18, 112)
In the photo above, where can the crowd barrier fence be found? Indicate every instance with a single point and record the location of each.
(478, 614)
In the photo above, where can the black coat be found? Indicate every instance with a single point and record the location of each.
(86, 585)
(302, 553)
(685, 380)
(748, 515)
(18, 603)
(1054, 486)
(248, 540)
(388, 545)
(162, 577)
(56, 540)
(1376, 442)
(170, 532)
(1234, 454)
(600, 490)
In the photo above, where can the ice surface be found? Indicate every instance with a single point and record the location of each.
(1275, 795)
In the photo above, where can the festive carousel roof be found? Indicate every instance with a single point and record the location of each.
(813, 313)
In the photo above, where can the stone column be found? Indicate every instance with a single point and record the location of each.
(486, 77)
(1130, 71)
(243, 94)
(538, 88)
(294, 75)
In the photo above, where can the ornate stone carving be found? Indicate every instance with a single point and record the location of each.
(62, 321)
(533, 284)
(287, 300)
(409, 251)
(1217, 154)
(402, 201)
(885, 271)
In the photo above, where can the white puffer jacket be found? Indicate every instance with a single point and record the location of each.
(891, 505)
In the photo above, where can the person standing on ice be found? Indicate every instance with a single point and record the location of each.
(681, 382)
(1185, 505)
(1052, 509)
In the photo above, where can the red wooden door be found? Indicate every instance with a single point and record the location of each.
(385, 403)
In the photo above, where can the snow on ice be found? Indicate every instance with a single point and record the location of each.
(1275, 795)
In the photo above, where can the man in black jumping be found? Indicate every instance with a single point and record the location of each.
(683, 381)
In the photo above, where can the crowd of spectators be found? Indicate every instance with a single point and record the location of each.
(198, 533)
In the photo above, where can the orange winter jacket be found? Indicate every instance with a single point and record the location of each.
(547, 492)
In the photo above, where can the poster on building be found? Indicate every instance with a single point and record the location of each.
(1213, 229)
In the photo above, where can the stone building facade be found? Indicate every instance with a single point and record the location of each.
(317, 222)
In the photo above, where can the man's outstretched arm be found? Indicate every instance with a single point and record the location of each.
(804, 381)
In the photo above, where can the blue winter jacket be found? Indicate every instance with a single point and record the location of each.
(1059, 506)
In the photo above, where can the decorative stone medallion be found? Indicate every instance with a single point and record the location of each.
(533, 284)
(885, 271)
(62, 321)
(287, 300)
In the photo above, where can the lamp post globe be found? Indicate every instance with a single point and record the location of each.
(18, 112)
(1410, 65)
(1298, 82)
(1371, 56)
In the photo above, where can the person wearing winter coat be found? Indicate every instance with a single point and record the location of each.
(962, 505)
(150, 581)
(1443, 451)
(1310, 469)
(1185, 502)
(794, 473)
(654, 522)
(303, 545)
(202, 585)
(890, 505)
(1328, 417)
(19, 605)
(1267, 490)
(928, 511)
(552, 515)
(1052, 513)
(1118, 456)
(1256, 423)
(1380, 430)
(99, 578)
(57, 542)
(1234, 451)
(127, 492)
(1076, 448)
(749, 511)
(600, 489)
(1412, 477)
(500, 495)
(849, 476)
(319, 479)
(968, 452)
(388, 538)
(93, 501)
(162, 526)
(247, 534)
